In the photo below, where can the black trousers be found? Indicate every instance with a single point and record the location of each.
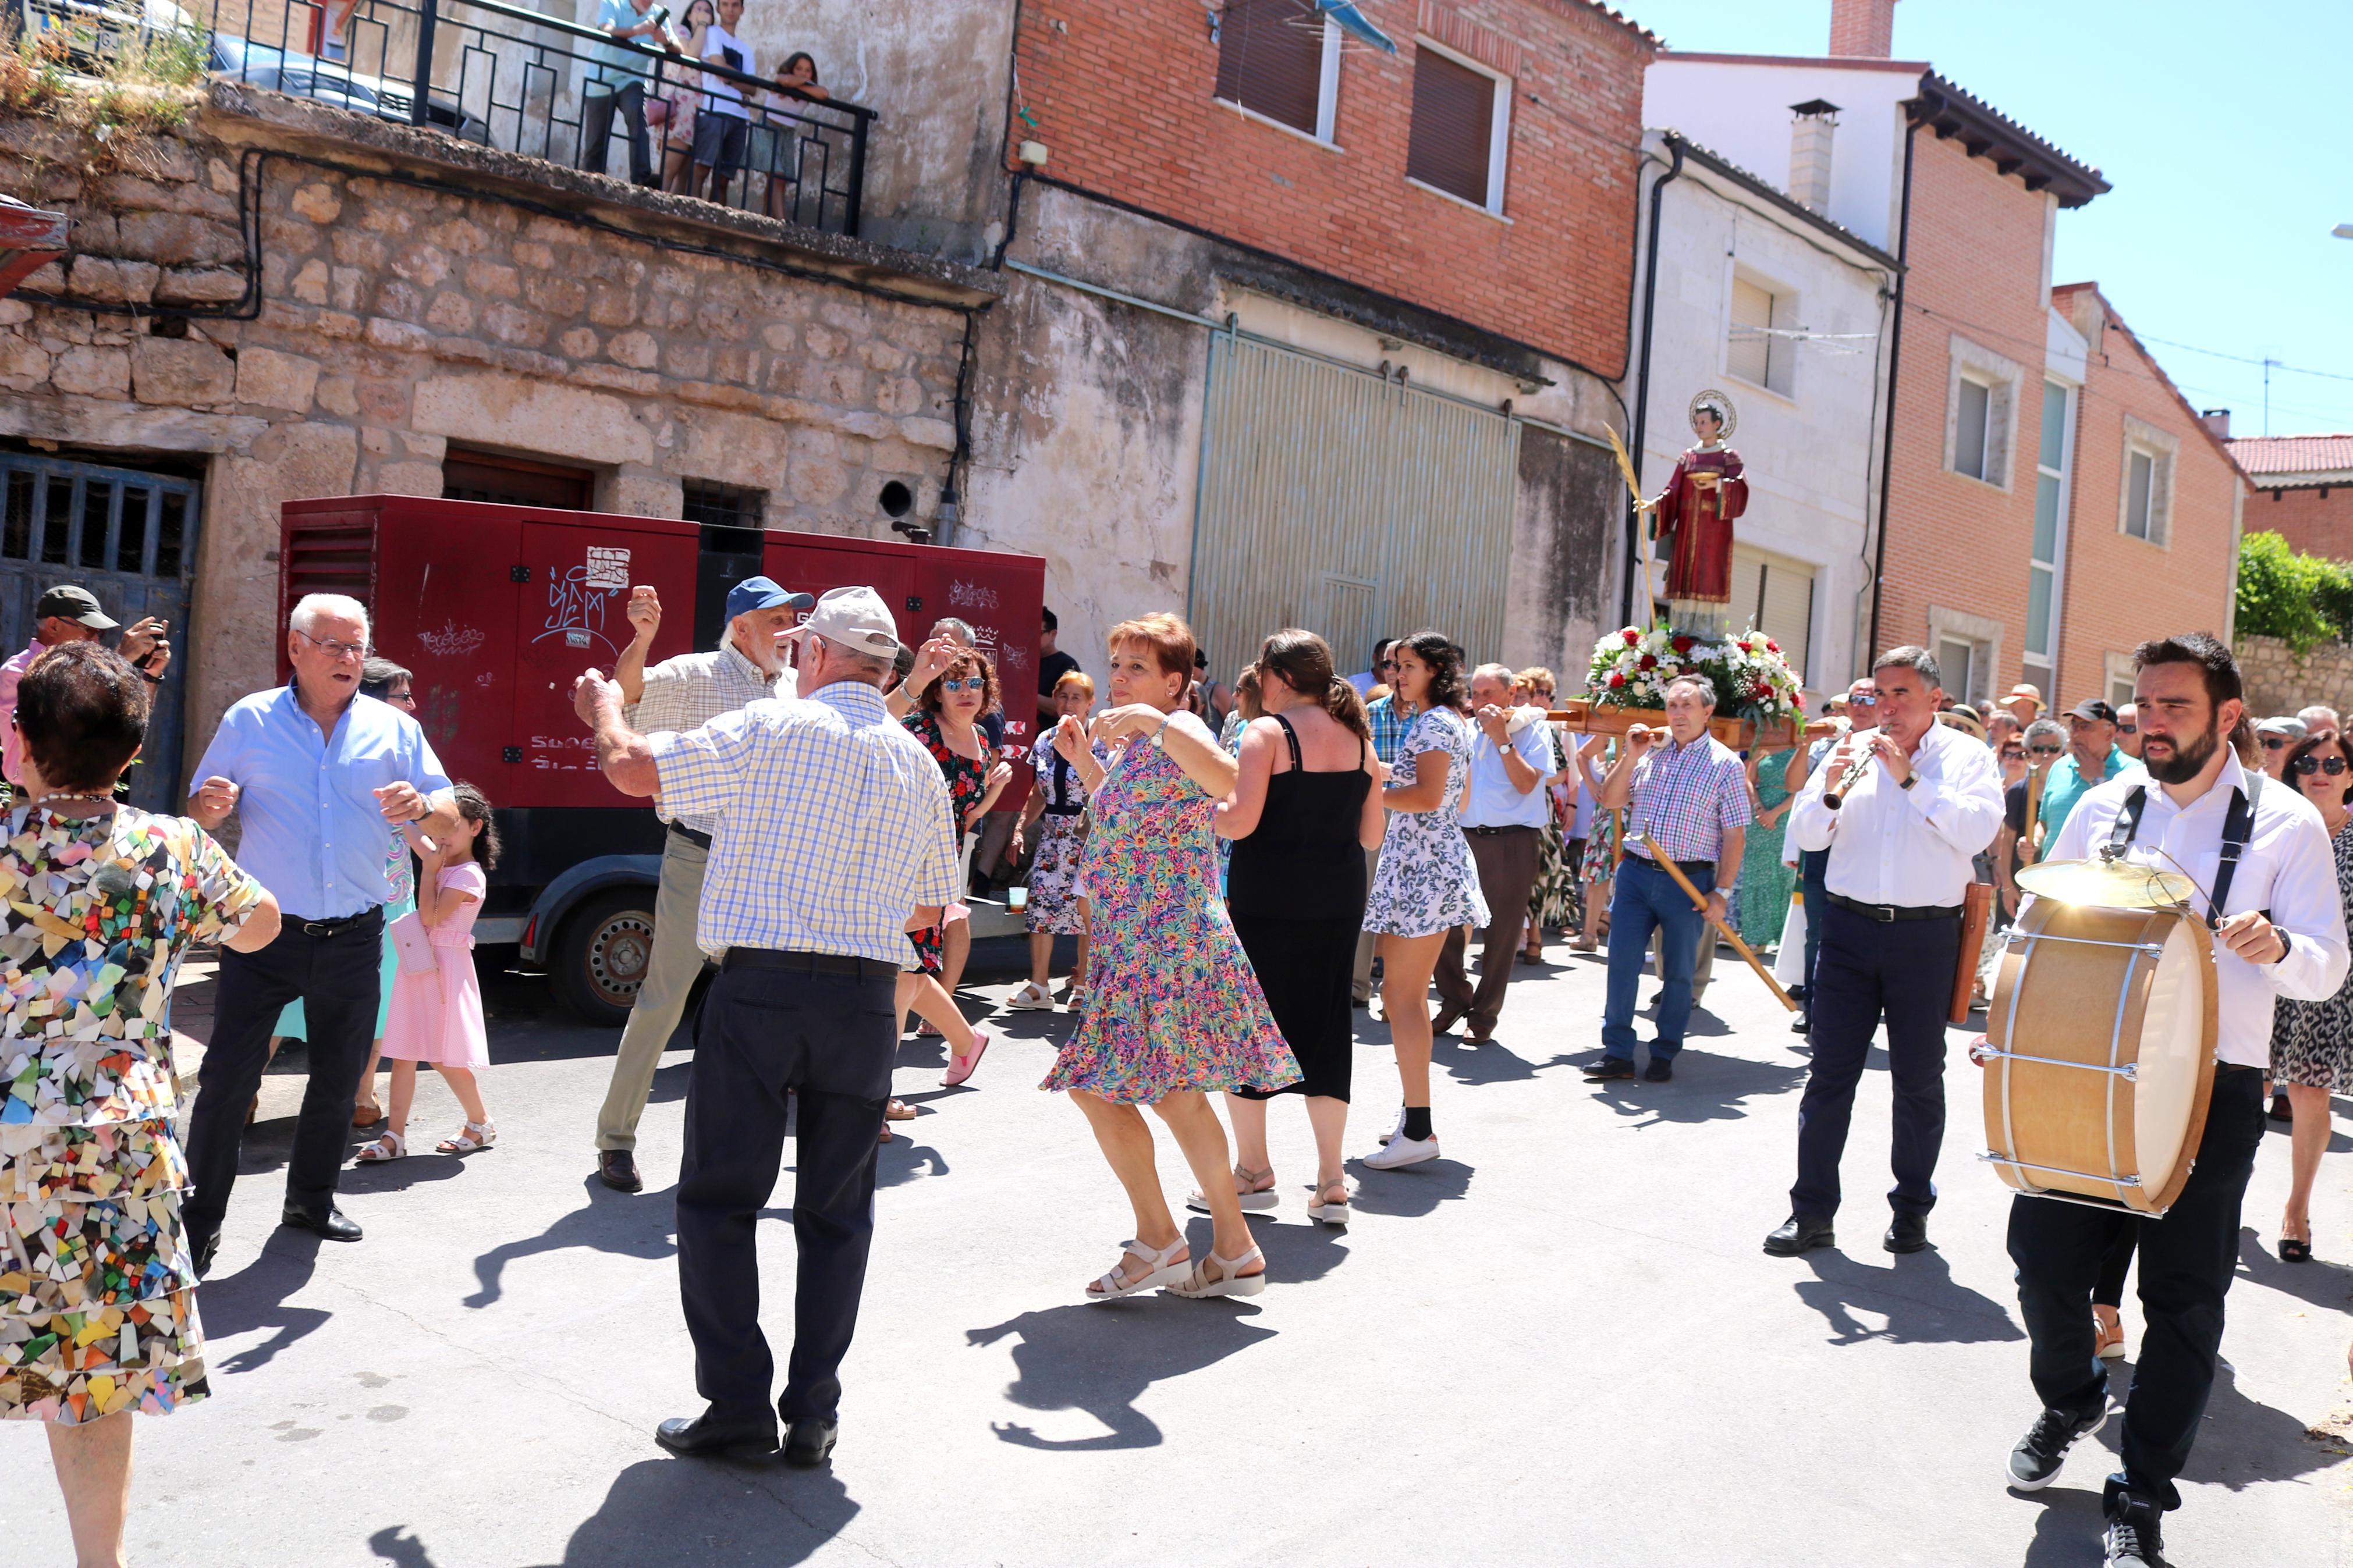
(830, 1040)
(597, 131)
(338, 978)
(2186, 1264)
(1813, 865)
(1901, 972)
(1507, 874)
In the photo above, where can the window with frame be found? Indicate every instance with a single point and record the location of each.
(1966, 666)
(1751, 350)
(1973, 429)
(2051, 465)
(2146, 502)
(469, 475)
(1279, 60)
(723, 506)
(1460, 128)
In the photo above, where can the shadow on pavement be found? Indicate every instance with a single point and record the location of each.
(1295, 1253)
(2320, 1282)
(395, 1544)
(1101, 1358)
(2067, 1533)
(1917, 1296)
(642, 1226)
(1413, 1192)
(254, 1298)
(1705, 1088)
(696, 1511)
(2244, 1443)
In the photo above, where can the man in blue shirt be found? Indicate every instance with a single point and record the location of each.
(2093, 757)
(617, 80)
(315, 772)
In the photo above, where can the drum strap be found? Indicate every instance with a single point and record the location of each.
(2237, 827)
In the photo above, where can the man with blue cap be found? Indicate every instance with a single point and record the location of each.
(679, 695)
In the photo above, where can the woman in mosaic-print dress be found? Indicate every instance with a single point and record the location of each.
(98, 1312)
(1174, 1011)
(1427, 883)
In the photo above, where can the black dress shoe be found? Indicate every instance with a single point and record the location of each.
(810, 1441)
(1908, 1233)
(327, 1221)
(201, 1250)
(697, 1438)
(1609, 1068)
(1802, 1023)
(617, 1169)
(1800, 1233)
(1659, 1071)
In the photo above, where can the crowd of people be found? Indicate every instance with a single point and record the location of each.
(1238, 864)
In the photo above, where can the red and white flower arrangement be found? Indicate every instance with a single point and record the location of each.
(1631, 669)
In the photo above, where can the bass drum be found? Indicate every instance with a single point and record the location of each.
(2100, 1053)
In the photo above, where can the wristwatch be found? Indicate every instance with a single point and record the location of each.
(1908, 783)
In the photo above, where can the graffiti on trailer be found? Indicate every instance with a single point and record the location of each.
(576, 609)
(971, 596)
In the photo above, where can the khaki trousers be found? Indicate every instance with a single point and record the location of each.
(1360, 984)
(669, 976)
(1702, 967)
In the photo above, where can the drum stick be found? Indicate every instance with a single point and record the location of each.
(1738, 946)
(1976, 910)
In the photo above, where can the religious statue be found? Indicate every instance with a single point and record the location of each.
(1693, 519)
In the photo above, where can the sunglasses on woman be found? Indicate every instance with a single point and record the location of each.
(965, 683)
(2275, 743)
(2046, 751)
(2013, 753)
(2309, 764)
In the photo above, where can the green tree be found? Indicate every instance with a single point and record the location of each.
(2285, 593)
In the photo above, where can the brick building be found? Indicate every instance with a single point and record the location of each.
(2152, 540)
(1986, 501)
(2305, 490)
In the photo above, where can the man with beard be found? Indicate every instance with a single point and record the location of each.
(676, 696)
(2279, 930)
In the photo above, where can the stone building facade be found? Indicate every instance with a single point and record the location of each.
(416, 295)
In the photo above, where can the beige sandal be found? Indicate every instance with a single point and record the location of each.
(1198, 1284)
(391, 1146)
(477, 1137)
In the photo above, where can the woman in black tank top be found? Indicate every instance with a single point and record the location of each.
(1297, 897)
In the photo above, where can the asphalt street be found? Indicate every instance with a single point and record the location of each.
(1560, 1343)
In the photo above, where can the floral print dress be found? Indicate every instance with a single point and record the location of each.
(2312, 1042)
(1172, 1001)
(98, 1310)
(1427, 882)
(967, 783)
(1061, 840)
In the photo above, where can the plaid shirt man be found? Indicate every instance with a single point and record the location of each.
(690, 691)
(832, 825)
(1685, 796)
(1388, 718)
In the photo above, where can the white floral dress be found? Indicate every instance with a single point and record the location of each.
(1427, 882)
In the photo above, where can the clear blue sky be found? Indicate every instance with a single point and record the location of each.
(2222, 130)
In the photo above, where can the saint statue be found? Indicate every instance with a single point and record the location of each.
(1693, 519)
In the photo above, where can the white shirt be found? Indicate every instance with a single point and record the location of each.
(722, 47)
(1491, 799)
(1909, 847)
(690, 691)
(2288, 868)
(832, 825)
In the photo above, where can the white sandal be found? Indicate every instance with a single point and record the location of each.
(1255, 1200)
(1198, 1285)
(1329, 1213)
(1166, 1269)
(477, 1137)
(376, 1153)
(1032, 997)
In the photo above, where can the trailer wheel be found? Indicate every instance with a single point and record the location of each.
(600, 960)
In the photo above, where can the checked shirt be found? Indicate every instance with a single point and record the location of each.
(693, 689)
(1686, 796)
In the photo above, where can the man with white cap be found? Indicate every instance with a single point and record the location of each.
(2277, 737)
(831, 843)
(680, 694)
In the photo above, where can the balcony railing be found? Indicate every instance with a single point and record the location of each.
(506, 77)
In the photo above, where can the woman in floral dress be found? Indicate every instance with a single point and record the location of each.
(1174, 1012)
(1766, 884)
(97, 1312)
(1553, 901)
(1056, 812)
(1426, 884)
(1590, 762)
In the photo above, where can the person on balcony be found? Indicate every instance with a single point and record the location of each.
(617, 80)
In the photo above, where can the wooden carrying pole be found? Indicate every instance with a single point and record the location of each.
(1738, 946)
(1976, 912)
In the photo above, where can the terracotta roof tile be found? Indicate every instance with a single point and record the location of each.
(2261, 455)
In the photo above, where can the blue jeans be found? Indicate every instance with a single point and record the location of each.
(1645, 899)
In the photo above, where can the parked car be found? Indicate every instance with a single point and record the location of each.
(300, 75)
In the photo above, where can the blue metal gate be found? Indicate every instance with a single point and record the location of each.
(129, 538)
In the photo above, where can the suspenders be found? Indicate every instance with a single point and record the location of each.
(2237, 827)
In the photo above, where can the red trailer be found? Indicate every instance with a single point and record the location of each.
(498, 609)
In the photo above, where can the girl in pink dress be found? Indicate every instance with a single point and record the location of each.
(436, 1015)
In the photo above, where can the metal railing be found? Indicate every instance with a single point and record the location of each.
(506, 77)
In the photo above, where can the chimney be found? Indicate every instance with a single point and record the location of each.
(1862, 29)
(2216, 422)
(1810, 154)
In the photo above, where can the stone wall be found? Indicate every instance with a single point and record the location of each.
(2279, 682)
(411, 297)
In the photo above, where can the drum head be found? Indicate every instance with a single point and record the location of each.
(2176, 1065)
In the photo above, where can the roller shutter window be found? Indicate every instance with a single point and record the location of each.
(1271, 59)
(1453, 127)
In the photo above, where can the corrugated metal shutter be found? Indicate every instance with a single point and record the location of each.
(1271, 59)
(1453, 127)
(1333, 500)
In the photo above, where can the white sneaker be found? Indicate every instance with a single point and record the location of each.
(1395, 1127)
(1032, 997)
(1404, 1150)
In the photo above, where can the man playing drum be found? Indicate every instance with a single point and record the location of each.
(2282, 933)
